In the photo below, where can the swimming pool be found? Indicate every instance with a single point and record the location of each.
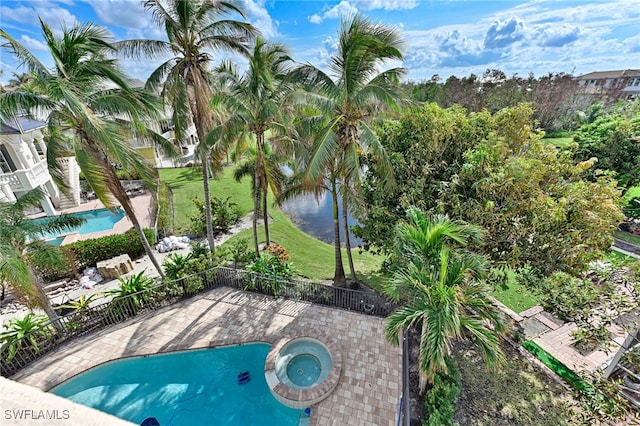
(95, 221)
(199, 387)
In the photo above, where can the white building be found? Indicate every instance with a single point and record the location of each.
(23, 165)
(611, 85)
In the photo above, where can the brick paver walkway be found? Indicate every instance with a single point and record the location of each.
(369, 388)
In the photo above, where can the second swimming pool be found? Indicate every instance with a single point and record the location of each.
(200, 387)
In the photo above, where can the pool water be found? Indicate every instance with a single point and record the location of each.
(199, 387)
(95, 221)
(304, 369)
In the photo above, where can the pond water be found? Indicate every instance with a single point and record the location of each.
(315, 217)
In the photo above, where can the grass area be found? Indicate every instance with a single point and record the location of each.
(628, 237)
(559, 142)
(516, 297)
(514, 394)
(186, 184)
(310, 257)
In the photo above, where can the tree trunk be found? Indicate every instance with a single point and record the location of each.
(423, 379)
(256, 206)
(264, 184)
(44, 302)
(118, 191)
(339, 280)
(207, 202)
(352, 269)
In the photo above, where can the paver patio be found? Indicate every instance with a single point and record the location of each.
(367, 393)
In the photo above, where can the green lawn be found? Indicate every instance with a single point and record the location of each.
(186, 184)
(559, 142)
(628, 237)
(310, 257)
(516, 297)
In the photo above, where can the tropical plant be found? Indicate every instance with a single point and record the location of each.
(275, 178)
(29, 330)
(442, 291)
(91, 111)
(346, 102)
(23, 252)
(132, 291)
(224, 213)
(194, 29)
(255, 101)
(176, 265)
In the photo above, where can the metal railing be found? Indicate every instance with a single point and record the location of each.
(119, 309)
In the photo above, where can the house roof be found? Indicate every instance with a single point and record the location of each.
(17, 125)
(610, 74)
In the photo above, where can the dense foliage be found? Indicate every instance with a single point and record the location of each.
(224, 213)
(89, 252)
(496, 172)
(613, 139)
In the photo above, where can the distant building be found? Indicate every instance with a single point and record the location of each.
(611, 86)
(23, 165)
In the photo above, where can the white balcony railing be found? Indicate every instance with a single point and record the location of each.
(26, 179)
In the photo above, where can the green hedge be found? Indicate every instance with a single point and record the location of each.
(89, 252)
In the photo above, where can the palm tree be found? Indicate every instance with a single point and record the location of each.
(91, 111)
(194, 29)
(442, 289)
(255, 104)
(275, 179)
(23, 252)
(349, 99)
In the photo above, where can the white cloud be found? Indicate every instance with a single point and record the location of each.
(52, 15)
(344, 8)
(260, 18)
(123, 13)
(504, 33)
(315, 19)
(385, 4)
(32, 44)
(556, 36)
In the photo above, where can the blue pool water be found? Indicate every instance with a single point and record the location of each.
(95, 221)
(197, 387)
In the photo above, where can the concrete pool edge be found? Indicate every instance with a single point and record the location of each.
(303, 398)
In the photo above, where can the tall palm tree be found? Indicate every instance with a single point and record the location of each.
(255, 101)
(23, 252)
(350, 98)
(275, 179)
(195, 29)
(442, 291)
(90, 110)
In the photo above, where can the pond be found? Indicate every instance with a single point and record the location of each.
(315, 217)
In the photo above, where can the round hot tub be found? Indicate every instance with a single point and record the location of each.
(303, 371)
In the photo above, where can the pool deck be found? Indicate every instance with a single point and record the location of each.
(369, 388)
(142, 206)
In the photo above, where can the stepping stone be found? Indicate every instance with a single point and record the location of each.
(532, 311)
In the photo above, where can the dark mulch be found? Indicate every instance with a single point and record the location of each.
(515, 394)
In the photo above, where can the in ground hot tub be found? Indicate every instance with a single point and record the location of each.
(303, 371)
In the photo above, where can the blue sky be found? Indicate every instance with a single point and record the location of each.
(446, 37)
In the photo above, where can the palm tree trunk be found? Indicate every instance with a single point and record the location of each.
(339, 280)
(263, 182)
(256, 207)
(423, 378)
(118, 191)
(207, 201)
(44, 302)
(352, 269)
(266, 217)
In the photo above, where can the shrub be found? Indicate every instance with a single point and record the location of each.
(237, 251)
(165, 210)
(439, 401)
(131, 294)
(89, 252)
(224, 213)
(28, 331)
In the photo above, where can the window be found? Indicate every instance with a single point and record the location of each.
(6, 163)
